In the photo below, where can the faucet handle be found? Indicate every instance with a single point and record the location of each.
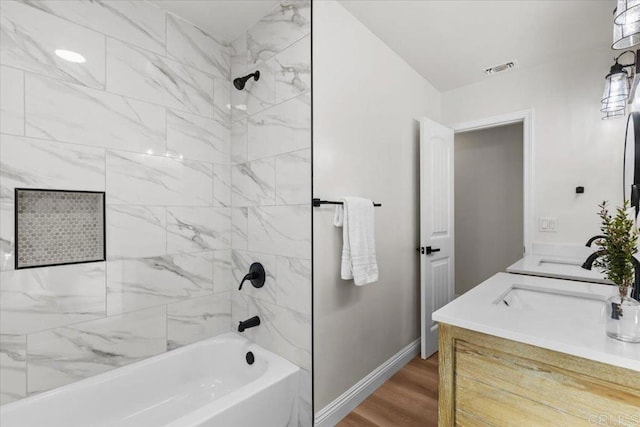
(256, 276)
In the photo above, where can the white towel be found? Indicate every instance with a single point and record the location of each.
(356, 217)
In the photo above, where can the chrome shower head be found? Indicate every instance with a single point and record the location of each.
(241, 81)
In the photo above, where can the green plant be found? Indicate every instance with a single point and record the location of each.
(618, 247)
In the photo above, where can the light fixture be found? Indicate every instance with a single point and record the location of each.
(611, 107)
(616, 88)
(627, 11)
(71, 56)
(625, 35)
(614, 115)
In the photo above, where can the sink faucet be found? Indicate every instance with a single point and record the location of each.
(635, 293)
(249, 323)
(594, 238)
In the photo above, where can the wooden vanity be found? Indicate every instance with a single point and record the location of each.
(532, 351)
(487, 380)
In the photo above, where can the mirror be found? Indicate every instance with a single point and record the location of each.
(631, 174)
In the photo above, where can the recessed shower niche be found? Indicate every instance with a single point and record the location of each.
(54, 227)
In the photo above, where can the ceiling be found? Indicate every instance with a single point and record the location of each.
(223, 19)
(451, 43)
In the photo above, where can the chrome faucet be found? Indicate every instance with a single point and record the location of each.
(635, 293)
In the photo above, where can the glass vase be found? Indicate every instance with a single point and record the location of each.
(623, 318)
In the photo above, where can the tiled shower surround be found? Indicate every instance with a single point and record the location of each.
(196, 190)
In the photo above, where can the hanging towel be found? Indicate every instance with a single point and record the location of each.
(356, 217)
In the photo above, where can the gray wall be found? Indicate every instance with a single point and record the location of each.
(365, 144)
(488, 203)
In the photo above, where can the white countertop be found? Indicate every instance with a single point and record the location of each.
(556, 266)
(477, 310)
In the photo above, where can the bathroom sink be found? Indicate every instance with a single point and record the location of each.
(550, 302)
(556, 267)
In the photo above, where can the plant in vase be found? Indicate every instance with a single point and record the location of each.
(617, 249)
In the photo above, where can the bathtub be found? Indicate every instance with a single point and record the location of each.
(208, 383)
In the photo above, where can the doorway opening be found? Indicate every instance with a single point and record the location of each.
(489, 200)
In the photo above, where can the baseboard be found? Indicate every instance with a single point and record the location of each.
(335, 411)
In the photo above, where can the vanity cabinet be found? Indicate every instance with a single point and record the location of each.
(487, 380)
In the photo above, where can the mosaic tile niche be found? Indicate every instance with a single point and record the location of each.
(56, 227)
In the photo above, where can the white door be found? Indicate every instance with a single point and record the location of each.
(436, 227)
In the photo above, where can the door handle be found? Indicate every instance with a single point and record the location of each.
(427, 250)
(430, 250)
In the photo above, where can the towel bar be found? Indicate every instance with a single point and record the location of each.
(318, 202)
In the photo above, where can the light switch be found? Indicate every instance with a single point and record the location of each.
(548, 224)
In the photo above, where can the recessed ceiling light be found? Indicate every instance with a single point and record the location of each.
(71, 56)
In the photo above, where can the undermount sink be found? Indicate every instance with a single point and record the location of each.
(557, 267)
(549, 302)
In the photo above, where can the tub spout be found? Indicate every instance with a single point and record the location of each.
(249, 323)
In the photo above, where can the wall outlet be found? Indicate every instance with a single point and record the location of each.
(548, 224)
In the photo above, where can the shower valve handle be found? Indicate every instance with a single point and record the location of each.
(256, 276)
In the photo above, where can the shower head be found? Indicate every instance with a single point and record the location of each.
(241, 81)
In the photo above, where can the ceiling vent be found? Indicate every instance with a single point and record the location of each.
(497, 68)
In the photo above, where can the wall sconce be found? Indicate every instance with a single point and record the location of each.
(619, 87)
(626, 12)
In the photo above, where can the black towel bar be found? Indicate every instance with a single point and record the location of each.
(318, 202)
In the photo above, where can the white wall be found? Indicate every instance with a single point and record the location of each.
(366, 100)
(572, 145)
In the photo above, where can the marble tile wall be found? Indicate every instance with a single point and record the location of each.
(271, 185)
(145, 119)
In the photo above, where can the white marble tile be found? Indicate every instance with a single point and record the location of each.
(193, 46)
(221, 185)
(136, 231)
(11, 101)
(155, 180)
(287, 22)
(222, 275)
(7, 238)
(283, 331)
(192, 229)
(239, 225)
(146, 282)
(64, 355)
(190, 136)
(137, 22)
(29, 38)
(294, 284)
(239, 309)
(70, 113)
(253, 183)
(34, 163)
(281, 230)
(239, 142)
(305, 399)
(292, 68)
(13, 368)
(293, 177)
(198, 319)
(41, 298)
(153, 78)
(281, 129)
(222, 100)
(238, 54)
(241, 261)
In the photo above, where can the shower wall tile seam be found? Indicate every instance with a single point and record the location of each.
(71, 21)
(272, 106)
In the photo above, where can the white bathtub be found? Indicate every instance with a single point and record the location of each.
(204, 384)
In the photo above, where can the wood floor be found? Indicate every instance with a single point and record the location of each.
(409, 398)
